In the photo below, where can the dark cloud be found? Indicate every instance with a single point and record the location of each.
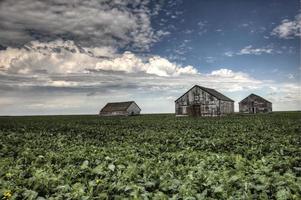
(115, 23)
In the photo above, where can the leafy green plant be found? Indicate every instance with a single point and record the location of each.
(151, 157)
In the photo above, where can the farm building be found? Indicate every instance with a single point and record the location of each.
(201, 101)
(120, 108)
(255, 104)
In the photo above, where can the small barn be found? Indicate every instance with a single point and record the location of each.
(202, 101)
(120, 108)
(255, 104)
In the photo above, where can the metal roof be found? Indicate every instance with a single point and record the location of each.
(255, 95)
(117, 106)
(211, 91)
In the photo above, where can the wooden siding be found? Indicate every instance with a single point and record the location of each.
(120, 108)
(197, 102)
(114, 113)
(255, 104)
(133, 109)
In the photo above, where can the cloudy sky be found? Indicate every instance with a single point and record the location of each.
(73, 56)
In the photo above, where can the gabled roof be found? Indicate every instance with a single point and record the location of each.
(254, 95)
(117, 106)
(213, 92)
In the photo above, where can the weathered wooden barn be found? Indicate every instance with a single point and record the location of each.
(255, 104)
(201, 101)
(120, 108)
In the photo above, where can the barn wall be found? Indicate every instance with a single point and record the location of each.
(133, 109)
(114, 113)
(253, 104)
(244, 107)
(199, 102)
(226, 107)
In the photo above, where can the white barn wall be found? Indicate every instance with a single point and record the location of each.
(133, 109)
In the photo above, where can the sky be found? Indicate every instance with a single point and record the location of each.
(74, 56)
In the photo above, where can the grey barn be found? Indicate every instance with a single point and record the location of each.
(120, 108)
(202, 101)
(255, 104)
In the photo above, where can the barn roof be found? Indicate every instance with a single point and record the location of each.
(255, 95)
(117, 106)
(211, 91)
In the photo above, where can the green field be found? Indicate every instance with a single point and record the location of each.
(151, 157)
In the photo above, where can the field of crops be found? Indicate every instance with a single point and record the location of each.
(151, 157)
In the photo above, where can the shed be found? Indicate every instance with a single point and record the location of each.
(202, 101)
(120, 108)
(255, 104)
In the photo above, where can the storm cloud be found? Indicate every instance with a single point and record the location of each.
(120, 24)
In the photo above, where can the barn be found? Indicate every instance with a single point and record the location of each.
(120, 108)
(202, 101)
(255, 104)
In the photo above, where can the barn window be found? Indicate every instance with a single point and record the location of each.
(196, 98)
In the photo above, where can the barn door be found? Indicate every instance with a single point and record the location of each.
(196, 110)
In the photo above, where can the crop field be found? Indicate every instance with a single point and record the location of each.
(151, 157)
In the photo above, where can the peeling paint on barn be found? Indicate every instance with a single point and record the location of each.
(254, 104)
(201, 101)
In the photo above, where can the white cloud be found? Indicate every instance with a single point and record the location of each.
(62, 83)
(202, 27)
(255, 51)
(250, 50)
(162, 33)
(285, 96)
(157, 65)
(223, 73)
(171, 98)
(229, 53)
(40, 61)
(53, 57)
(40, 74)
(210, 59)
(66, 57)
(101, 51)
(288, 29)
(164, 67)
(235, 77)
(188, 31)
(245, 25)
(202, 24)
